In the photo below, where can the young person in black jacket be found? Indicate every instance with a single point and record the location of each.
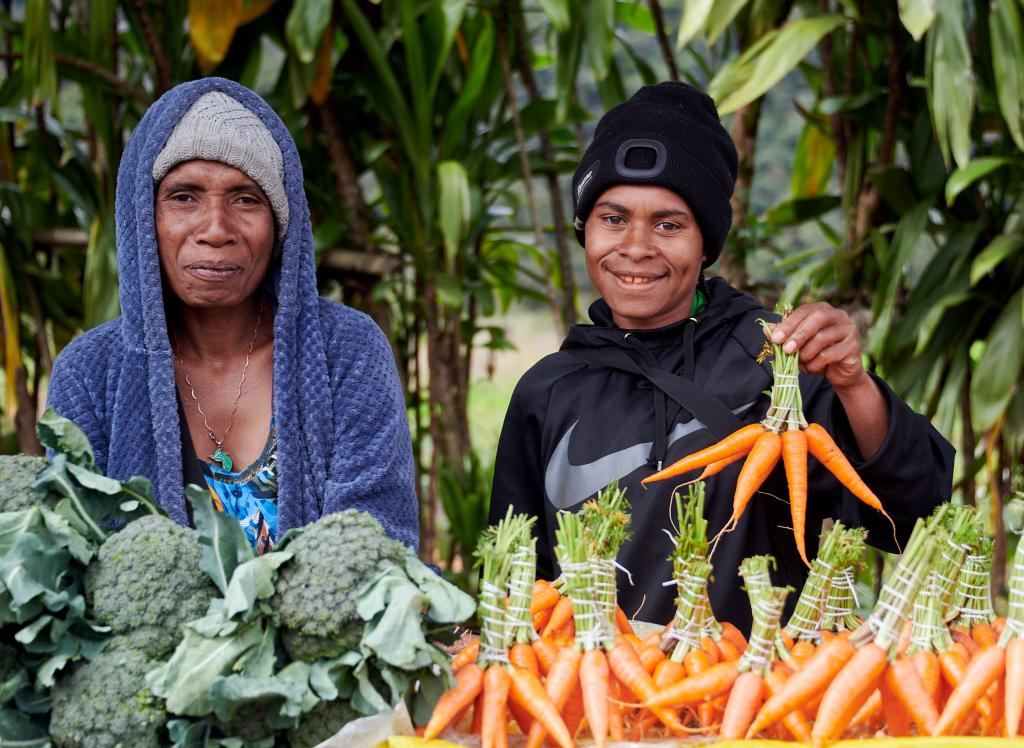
(668, 367)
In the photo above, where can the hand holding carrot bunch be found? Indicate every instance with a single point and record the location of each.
(784, 433)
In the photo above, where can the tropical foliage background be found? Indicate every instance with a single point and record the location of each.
(880, 169)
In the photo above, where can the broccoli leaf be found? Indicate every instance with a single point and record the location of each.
(225, 546)
(62, 436)
(21, 730)
(448, 604)
(186, 679)
(252, 581)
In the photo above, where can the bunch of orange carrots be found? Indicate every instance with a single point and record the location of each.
(783, 433)
(930, 659)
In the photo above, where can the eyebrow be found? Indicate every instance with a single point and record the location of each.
(175, 186)
(670, 213)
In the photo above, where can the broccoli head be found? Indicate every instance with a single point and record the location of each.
(315, 597)
(105, 703)
(146, 582)
(321, 722)
(17, 474)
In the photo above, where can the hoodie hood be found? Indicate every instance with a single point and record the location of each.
(291, 279)
(291, 276)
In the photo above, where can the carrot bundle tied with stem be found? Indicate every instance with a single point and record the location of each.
(783, 434)
(840, 606)
(852, 686)
(973, 594)
(1012, 640)
(805, 623)
(747, 694)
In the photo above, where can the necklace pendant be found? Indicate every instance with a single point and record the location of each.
(223, 458)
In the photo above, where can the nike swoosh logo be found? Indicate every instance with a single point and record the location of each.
(566, 485)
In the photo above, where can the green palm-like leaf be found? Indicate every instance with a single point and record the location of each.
(950, 83)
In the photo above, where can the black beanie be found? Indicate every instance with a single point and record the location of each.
(667, 135)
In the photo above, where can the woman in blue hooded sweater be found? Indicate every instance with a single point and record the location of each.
(226, 368)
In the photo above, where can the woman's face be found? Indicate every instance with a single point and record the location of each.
(214, 233)
(644, 251)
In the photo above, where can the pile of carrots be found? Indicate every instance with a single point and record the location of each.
(931, 658)
(783, 433)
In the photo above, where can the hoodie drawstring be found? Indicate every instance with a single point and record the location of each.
(662, 418)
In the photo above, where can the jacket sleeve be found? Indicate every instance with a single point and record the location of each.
(519, 470)
(371, 466)
(911, 473)
(72, 397)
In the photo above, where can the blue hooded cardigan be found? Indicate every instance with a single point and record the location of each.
(343, 434)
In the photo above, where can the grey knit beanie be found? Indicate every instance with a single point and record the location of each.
(219, 128)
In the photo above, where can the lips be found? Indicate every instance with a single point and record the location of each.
(213, 271)
(636, 280)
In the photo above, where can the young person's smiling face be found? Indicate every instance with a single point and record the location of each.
(644, 252)
(215, 233)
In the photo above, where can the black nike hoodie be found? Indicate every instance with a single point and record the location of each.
(574, 425)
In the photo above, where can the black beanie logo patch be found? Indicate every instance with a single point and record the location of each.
(640, 158)
(586, 179)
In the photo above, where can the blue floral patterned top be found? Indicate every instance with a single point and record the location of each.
(250, 495)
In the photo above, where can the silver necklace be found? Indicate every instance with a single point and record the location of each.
(219, 455)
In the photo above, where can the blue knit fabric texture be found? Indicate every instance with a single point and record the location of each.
(343, 434)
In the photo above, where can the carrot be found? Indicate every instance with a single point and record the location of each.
(560, 616)
(493, 727)
(594, 682)
(650, 657)
(759, 463)
(821, 445)
(963, 637)
(478, 713)
(709, 646)
(572, 712)
(547, 652)
(622, 621)
(696, 661)
(981, 672)
(520, 714)
(733, 634)
(897, 721)
(988, 724)
(739, 440)
(653, 639)
(468, 683)
(866, 714)
(983, 635)
(528, 692)
(466, 655)
(718, 466)
(541, 617)
(544, 596)
(1014, 701)
(803, 651)
(616, 728)
(625, 664)
(563, 676)
(927, 666)
(795, 722)
(905, 683)
(522, 655)
(745, 699)
(727, 651)
(806, 683)
(668, 672)
(794, 458)
(693, 689)
(847, 692)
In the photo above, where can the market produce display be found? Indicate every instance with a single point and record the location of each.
(931, 658)
(119, 628)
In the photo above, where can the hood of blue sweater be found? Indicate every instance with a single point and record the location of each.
(292, 279)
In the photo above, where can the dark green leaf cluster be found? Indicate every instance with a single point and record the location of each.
(323, 721)
(17, 474)
(105, 703)
(315, 598)
(146, 582)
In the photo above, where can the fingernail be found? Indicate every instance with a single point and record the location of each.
(777, 336)
(789, 347)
